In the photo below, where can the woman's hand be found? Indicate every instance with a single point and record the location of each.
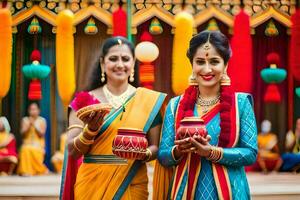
(201, 145)
(94, 120)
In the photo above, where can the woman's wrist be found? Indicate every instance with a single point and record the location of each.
(216, 154)
(176, 154)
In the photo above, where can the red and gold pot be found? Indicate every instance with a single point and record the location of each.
(130, 143)
(190, 126)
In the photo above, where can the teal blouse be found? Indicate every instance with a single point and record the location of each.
(244, 153)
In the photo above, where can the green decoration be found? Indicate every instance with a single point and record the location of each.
(273, 75)
(212, 25)
(155, 27)
(34, 27)
(36, 70)
(91, 28)
(271, 29)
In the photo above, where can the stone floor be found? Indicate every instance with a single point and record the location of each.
(273, 186)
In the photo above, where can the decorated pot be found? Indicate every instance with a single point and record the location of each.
(130, 144)
(190, 126)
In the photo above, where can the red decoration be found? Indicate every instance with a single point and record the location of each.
(272, 94)
(35, 55)
(35, 92)
(146, 36)
(240, 65)
(146, 75)
(273, 58)
(119, 22)
(295, 45)
(190, 126)
(83, 99)
(130, 144)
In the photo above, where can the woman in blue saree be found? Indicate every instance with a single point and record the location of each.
(210, 167)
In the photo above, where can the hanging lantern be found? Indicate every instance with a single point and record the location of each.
(273, 76)
(297, 91)
(5, 51)
(155, 27)
(212, 25)
(146, 52)
(91, 28)
(65, 56)
(34, 27)
(271, 29)
(35, 71)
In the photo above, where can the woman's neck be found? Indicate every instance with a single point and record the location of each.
(117, 88)
(209, 92)
(34, 117)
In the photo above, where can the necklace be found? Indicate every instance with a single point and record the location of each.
(205, 104)
(117, 100)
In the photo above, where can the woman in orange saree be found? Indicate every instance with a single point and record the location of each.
(8, 153)
(102, 175)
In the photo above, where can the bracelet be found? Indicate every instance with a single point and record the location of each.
(75, 126)
(84, 140)
(148, 155)
(89, 132)
(173, 155)
(75, 145)
(216, 154)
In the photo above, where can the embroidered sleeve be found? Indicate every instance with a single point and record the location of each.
(246, 150)
(165, 152)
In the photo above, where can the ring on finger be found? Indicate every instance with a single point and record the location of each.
(92, 114)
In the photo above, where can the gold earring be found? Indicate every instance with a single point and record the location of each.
(131, 78)
(102, 77)
(225, 79)
(192, 80)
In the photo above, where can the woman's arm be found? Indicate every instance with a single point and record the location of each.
(165, 152)
(153, 141)
(40, 126)
(25, 125)
(246, 152)
(75, 128)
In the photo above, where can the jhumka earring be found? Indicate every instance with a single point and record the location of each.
(225, 79)
(102, 77)
(192, 80)
(102, 74)
(131, 78)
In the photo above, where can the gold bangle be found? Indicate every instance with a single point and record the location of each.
(216, 154)
(89, 132)
(148, 155)
(84, 140)
(75, 145)
(75, 126)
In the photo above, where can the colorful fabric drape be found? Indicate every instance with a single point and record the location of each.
(104, 176)
(199, 178)
(8, 152)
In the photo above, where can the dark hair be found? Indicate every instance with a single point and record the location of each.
(216, 38)
(33, 102)
(95, 76)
